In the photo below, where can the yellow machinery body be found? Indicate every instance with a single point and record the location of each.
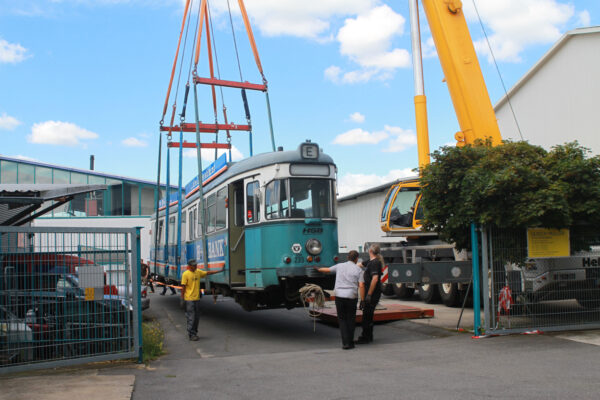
(401, 211)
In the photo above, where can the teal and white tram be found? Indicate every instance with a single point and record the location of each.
(270, 219)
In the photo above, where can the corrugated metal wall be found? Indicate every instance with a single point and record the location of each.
(358, 221)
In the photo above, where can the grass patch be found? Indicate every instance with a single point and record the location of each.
(153, 338)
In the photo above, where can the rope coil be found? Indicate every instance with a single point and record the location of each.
(311, 293)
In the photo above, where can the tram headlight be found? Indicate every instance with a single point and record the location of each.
(314, 246)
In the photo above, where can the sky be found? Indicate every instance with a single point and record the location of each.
(83, 77)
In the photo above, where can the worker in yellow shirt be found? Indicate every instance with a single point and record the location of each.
(190, 292)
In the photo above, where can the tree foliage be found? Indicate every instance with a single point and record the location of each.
(514, 185)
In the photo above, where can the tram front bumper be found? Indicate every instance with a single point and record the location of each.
(305, 270)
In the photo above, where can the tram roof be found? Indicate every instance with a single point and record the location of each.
(260, 161)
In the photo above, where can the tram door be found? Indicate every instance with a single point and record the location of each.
(237, 242)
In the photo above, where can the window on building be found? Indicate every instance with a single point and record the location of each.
(276, 199)
(61, 177)
(43, 175)
(26, 173)
(147, 200)
(252, 202)
(211, 213)
(8, 172)
(222, 208)
(115, 188)
(79, 179)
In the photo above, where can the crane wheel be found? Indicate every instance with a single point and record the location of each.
(429, 293)
(402, 291)
(449, 294)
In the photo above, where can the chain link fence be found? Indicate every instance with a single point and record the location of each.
(68, 295)
(540, 279)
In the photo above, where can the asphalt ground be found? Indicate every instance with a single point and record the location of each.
(277, 354)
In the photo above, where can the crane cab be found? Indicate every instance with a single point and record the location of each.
(402, 210)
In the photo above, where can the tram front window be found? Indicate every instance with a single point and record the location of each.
(403, 207)
(310, 198)
(299, 198)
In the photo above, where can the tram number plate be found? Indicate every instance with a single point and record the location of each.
(298, 258)
(296, 248)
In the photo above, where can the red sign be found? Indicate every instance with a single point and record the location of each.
(249, 215)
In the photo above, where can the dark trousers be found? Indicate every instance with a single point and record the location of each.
(165, 289)
(346, 312)
(192, 313)
(367, 317)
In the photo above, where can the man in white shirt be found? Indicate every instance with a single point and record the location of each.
(346, 296)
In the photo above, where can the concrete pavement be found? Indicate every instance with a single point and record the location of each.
(275, 354)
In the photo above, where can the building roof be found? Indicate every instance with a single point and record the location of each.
(545, 58)
(18, 202)
(81, 171)
(376, 189)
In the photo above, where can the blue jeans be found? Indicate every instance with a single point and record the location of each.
(192, 313)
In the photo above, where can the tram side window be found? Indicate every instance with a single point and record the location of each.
(276, 202)
(221, 208)
(192, 225)
(183, 226)
(239, 206)
(211, 213)
(172, 230)
(161, 238)
(252, 202)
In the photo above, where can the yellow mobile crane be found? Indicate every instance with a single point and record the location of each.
(402, 212)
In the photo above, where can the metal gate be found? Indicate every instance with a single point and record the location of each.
(540, 280)
(68, 295)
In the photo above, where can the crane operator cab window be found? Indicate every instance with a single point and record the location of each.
(403, 209)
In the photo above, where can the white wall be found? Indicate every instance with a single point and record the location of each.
(108, 222)
(358, 222)
(559, 102)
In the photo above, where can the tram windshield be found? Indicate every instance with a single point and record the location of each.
(300, 198)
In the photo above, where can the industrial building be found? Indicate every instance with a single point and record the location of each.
(556, 100)
(126, 203)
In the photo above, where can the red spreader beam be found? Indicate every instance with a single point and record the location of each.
(233, 84)
(190, 145)
(206, 128)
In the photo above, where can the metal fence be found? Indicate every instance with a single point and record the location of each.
(540, 280)
(68, 295)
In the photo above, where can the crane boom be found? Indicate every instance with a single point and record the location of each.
(463, 75)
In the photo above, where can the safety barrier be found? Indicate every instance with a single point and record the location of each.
(538, 279)
(68, 296)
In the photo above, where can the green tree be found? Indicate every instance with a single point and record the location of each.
(514, 185)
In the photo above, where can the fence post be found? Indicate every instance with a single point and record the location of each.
(476, 287)
(137, 271)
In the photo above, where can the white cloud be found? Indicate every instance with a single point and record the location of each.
(333, 73)
(367, 41)
(428, 49)
(584, 19)
(306, 19)
(357, 117)
(134, 142)
(12, 53)
(400, 139)
(26, 158)
(359, 136)
(514, 25)
(208, 155)
(8, 123)
(59, 133)
(353, 183)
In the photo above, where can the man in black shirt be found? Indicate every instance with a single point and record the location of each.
(370, 292)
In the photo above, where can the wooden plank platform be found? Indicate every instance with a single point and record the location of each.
(384, 312)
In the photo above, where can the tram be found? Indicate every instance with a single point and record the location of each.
(270, 219)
